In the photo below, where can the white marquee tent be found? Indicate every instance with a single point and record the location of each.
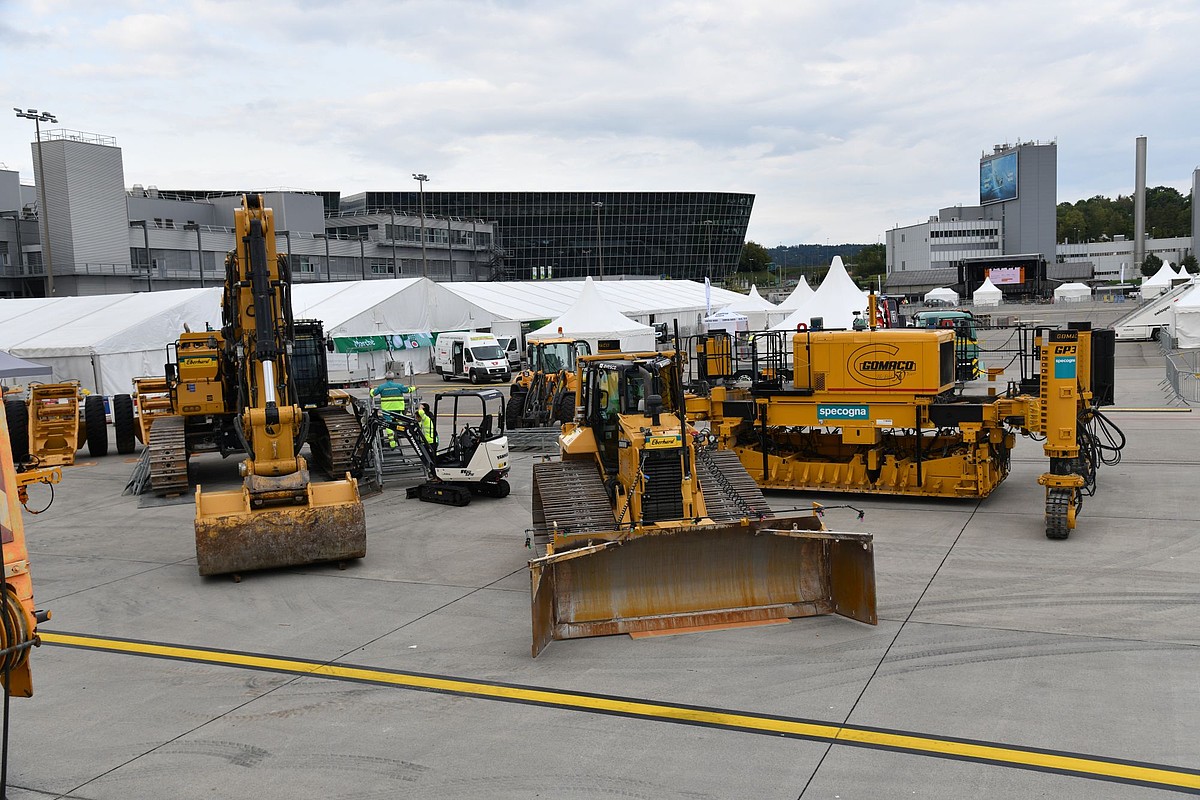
(1186, 314)
(592, 318)
(762, 313)
(729, 321)
(1159, 282)
(1073, 293)
(835, 301)
(987, 294)
(944, 294)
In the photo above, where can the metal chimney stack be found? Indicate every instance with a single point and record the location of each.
(1139, 207)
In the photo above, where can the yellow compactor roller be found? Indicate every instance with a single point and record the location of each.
(279, 517)
(640, 528)
(883, 411)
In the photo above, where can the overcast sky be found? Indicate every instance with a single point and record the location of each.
(843, 118)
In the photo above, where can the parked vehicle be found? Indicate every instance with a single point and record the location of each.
(477, 357)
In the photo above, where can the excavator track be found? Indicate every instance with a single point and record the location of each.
(729, 491)
(332, 435)
(168, 456)
(569, 495)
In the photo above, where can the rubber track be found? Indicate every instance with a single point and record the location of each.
(332, 434)
(168, 456)
(720, 505)
(1057, 503)
(571, 494)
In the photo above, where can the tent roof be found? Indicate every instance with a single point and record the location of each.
(1073, 288)
(12, 367)
(752, 302)
(836, 300)
(801, 293)
(987, 289)
(725, 315)
(534, 300)
(352, 308)
(1162, 277)
(590, 315)
(942, 292)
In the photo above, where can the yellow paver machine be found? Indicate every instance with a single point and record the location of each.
(884, 411)
(642, 525)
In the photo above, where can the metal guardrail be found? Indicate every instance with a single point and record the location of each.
(1183, 374)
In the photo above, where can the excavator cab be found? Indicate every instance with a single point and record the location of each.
(644, 526)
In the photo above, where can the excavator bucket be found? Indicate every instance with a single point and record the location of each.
(232, 536)
(707, 574)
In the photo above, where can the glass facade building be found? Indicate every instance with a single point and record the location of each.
(572, 234)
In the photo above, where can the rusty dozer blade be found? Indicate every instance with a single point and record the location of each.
(702, 575)
(231, 536)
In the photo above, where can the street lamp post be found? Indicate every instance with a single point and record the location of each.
(708, 223)
(362, 256)
(141, 223)
(195, 226)
(38, 118)
(392, 236)
(599, 206)
(420, 178)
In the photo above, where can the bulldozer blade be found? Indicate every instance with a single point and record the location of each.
(702, 575)
(232, 536)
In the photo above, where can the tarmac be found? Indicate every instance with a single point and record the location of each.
(1003, 665)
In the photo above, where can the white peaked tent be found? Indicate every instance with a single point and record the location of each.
(796, 299)
(987, 294)
(1159, 282)
(945, 294)
(591, 318)
(729, 321)
(762, 313)
(1072, 293)
(835, 301)
(1185, 315)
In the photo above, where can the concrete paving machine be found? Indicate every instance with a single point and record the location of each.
(884, 411)
(246, 382)
(55, 421)
(544, 393)
(640, 528)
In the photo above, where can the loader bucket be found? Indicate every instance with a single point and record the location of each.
(702, 575)
(231, 536)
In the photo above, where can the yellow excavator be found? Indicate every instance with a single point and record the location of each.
(279, 517)
(643, 525)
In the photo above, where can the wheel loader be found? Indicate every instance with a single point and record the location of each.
(246, 383)
(54, 422)
(642, 526)
(887, 411)
(544, 394)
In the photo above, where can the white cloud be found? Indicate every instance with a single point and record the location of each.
(844, 118)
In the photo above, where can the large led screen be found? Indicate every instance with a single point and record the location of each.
(998, 179)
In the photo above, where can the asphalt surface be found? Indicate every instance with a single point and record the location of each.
(1004, 664)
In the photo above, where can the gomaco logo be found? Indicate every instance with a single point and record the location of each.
(876, 365)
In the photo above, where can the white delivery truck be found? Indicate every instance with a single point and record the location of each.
(474, 356)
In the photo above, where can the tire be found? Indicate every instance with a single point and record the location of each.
(514, 410)
(564, 407)
(96, 426)
(16, 414)
(473, 376)
(445, 376)
(124, 424)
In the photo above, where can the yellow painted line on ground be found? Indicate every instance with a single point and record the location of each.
(1012, 756)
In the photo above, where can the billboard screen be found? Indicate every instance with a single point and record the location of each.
(998, 179)
(1006, 275)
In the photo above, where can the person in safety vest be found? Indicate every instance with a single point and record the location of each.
(426, 423)
(391, 394)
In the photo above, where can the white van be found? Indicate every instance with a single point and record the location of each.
(512, 349)
(477, 357)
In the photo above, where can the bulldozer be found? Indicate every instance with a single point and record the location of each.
(54, 422)
(889, 411)
(544, 393)
(642, 525)
(245, 382)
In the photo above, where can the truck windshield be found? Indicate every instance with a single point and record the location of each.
(487, 352)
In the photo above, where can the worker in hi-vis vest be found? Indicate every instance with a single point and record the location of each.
(391, 394)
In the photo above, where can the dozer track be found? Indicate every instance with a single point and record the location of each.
(569, 495)
(168, 456)
(332, 435)
(729, 491)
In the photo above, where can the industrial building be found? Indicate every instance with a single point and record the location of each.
(98, 237)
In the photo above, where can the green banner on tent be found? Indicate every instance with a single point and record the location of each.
(391, 341)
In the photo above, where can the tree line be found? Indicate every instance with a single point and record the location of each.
(1168, 214)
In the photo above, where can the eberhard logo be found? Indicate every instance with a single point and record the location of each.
(876, 365)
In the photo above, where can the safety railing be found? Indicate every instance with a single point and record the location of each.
(1183, 376)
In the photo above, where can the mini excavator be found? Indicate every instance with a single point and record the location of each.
(643, 525)
(279, 517)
